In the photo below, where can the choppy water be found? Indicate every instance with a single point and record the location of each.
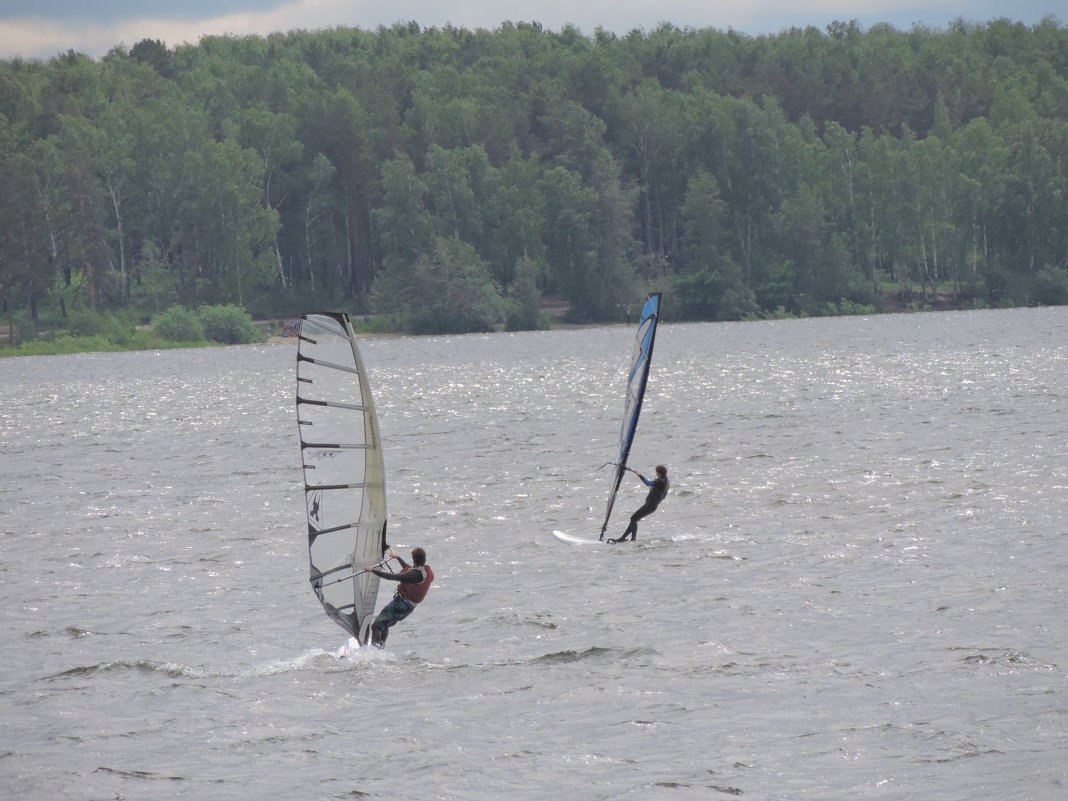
(856, 588)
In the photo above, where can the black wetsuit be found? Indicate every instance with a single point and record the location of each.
(657, 493)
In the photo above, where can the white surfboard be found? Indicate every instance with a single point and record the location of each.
(570, 539)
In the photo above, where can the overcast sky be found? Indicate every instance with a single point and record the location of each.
(44, 28)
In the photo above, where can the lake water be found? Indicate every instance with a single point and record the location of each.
(856, 588)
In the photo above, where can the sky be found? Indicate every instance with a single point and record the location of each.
(41, 29)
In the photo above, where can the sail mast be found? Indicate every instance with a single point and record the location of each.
(636, 384)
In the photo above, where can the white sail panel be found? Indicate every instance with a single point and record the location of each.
(344, 474)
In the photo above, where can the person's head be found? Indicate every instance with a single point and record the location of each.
(661, 471)
(418, 556)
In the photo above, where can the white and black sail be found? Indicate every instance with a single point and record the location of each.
(344, 476)
(637, 380)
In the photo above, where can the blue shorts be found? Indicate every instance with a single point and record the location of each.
(394, 612)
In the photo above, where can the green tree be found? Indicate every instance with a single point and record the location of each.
(305, 167)
(228, 324)
(225, 232)
(178, 324)
(343, 139)
(317, 241)
(523, 302)
(26, 270)
(403, 220)
(451, 292)
(649, 139)
(273, 137)
(570, 208)
(710, 284)
(451, 195)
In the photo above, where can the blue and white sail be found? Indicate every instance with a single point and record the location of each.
(344, 475)
(636, 384)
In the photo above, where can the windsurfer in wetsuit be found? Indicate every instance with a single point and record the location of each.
(413, 581)
(657, 492)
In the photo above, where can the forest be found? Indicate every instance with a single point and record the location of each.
(448, 180)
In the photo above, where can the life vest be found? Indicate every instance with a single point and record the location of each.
(416, 592)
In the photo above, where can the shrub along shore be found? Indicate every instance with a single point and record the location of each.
(180, 327)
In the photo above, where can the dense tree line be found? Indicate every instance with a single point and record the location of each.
(450, 177)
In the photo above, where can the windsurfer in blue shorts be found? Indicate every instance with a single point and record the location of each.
(413, 581)
(657, 492)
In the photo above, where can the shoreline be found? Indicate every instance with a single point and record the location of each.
(554, 310)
